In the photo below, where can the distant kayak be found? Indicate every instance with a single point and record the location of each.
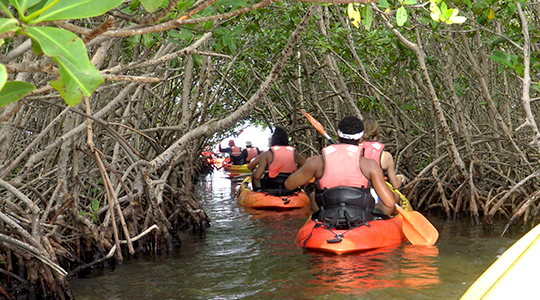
(262, 200)
(513, 275)
(376, 234)
(236, 168)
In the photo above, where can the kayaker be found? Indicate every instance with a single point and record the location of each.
(234, 152)
(282, 159)
(343, 180)
(374, 149)
(250, 152)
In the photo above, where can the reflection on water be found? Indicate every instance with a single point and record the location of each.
(250, 254)
(404, 267)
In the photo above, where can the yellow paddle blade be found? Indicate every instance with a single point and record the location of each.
(417, 229)
(405, 204)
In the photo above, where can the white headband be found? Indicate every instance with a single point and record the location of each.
(355, 136)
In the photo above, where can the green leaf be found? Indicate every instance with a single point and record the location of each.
(4, 6)
(151, 5)
(95, 205)
(13, 91)
(401, 16)
(134, 5)
(60, 42)
(384, 4)
(94, 216)
(520, 69)
(76, 9)
(237, 30)
(7, 25)
(78, 76)
(367, 18)
(410, 2)
(501, 57)
(208, 25)
(23, 5)
(232, 3)
(3, 76)
(74, 83)
(198, 60)
(221, 31)
(536, 87)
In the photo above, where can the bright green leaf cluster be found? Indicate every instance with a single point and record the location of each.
(511, 61)
(78, 76)
(440, 12)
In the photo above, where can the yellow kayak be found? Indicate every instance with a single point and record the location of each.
(512, 275)
(237, 168)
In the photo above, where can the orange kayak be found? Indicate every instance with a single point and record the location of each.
(261, 200)
(380, 233)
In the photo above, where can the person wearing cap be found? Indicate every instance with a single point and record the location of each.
(344, 178)
(235, 153)
(250, 152)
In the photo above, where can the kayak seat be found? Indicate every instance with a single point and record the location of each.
(276, 186)
(344, 207)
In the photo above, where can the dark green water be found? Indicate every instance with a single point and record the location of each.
(250, 254)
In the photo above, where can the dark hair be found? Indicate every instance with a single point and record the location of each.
(371, 128)
(350, 125)
(279, 138)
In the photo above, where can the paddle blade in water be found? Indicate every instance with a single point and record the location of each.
(418, 229)
(274, 172)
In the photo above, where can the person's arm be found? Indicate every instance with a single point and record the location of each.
(374, 173)
(312, 168)
(388, 164)
(263, 162)
(254, 162)
(226, 150)
(299, 159)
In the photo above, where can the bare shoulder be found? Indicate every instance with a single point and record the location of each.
(368, 165)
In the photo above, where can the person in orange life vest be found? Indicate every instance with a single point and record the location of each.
(375, 150)
(250, 152)
(343, 180)
(280, 156)
(234, 152)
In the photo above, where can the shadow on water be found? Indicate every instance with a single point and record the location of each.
(250, 254)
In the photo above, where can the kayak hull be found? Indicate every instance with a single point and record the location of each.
(237, 168)
(512, 274)
(380, 233)
(261, 200)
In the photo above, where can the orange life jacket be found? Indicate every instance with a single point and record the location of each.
(252, 152)
(283, 155)
(342, 167)
(373, 150)
(342, 193)
(236, 151)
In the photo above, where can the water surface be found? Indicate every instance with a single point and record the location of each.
(250, 254)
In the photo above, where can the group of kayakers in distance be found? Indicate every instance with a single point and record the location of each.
(349, 177)
(239, 156)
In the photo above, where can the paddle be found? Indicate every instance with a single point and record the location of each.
(405, 204)
(318, 126)
(416, 228)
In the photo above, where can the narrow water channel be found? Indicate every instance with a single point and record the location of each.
(250, 254)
